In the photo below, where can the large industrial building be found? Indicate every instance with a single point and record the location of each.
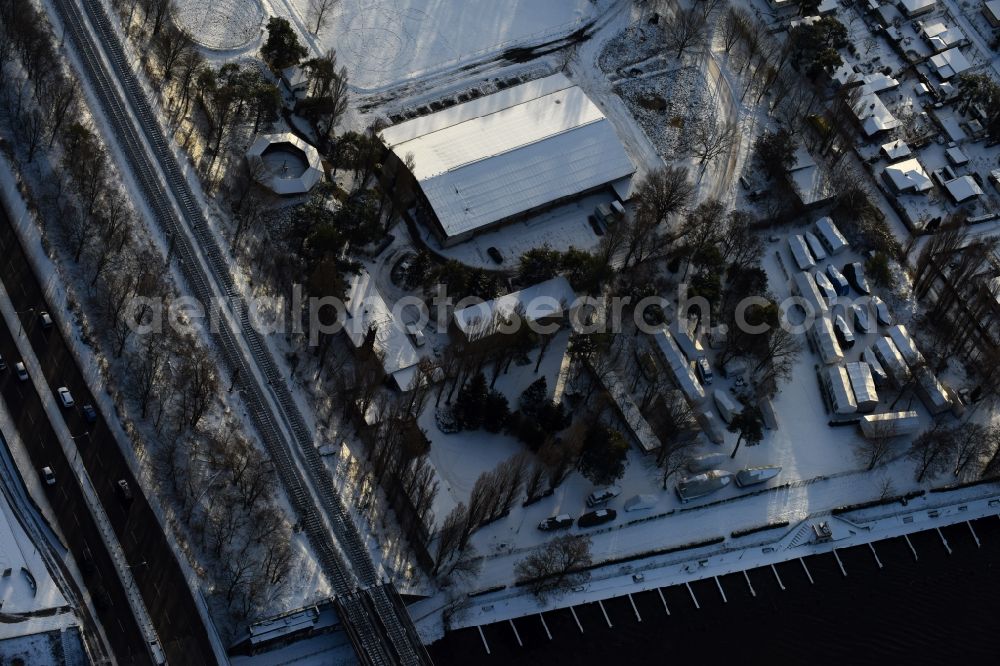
(507, 155)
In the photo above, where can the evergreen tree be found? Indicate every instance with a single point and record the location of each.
(534, 398)
(282, 48)
(603, 457)
(471, 403)
(750, 425)
(496, 412)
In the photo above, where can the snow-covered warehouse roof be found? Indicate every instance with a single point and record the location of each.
(909, 175)
(366, 309)
(963, 188)
(863, 385)
(518, 149)
(540, 301)
(679, 366)
(950, 63)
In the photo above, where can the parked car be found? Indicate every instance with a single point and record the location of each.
(89, 413)
(562, 521)
(3, 364)
(838, 280)
(826, 288)
(21, 371)
(882, 313)
(862, 322)
(855, 274)
(48, 476)
(123, 491)
(602, 495)
(65, 397)
(704, 369)
(598, 517)
(45, 319)
(843, 331)
(494, 254)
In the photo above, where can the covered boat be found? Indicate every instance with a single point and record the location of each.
(754, 475)
(703, 484)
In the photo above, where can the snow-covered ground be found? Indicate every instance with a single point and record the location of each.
(386, 42)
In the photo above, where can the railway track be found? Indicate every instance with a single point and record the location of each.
(385, 636)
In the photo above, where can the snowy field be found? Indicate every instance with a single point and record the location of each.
(665, 103)
(220, 24)
(385, 42)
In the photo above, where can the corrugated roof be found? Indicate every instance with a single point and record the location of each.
(538, 301)
(491, 159)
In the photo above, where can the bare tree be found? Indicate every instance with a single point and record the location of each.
(971, 444)
(319, 14)
(556, 566)
(933, 451)
(451, 536)
(873, 449)
(711, 137)
(663, 192)
(686, 30)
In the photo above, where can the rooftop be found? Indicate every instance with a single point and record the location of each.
(963, 188)
(496, 157)
(909, 175)
(284, 163)
(536, 302)
(950, 63)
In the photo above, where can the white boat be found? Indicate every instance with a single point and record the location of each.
(706, 462)
(753, 475)
(703, 484)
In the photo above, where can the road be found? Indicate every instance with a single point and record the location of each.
(157, 573)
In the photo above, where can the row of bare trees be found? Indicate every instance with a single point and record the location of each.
(155, 366)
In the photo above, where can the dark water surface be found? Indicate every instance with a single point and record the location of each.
(939, 609)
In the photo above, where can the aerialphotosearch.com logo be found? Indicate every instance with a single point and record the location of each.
(318, 316)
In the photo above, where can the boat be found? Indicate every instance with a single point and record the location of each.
(703, 484)
(751, 476)
(706, 462)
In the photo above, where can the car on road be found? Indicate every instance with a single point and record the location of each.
(89, 413)
(563, 520)
(45, 319)
(602, 495)
(48, 476)
(598, 517)
(855, 274)
(65, 397)
(21, 371)
(123, 491)
(494, 254)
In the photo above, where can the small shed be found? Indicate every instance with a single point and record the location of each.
(728, 406)
(825, 341)
(830, 235)
(800, 253)
(891, 360)
(863, 386)
(838, 388)
(891, 424)
(905, 344)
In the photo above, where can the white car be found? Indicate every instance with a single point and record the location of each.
(21, 371)
(65, 396)
(48, 476)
